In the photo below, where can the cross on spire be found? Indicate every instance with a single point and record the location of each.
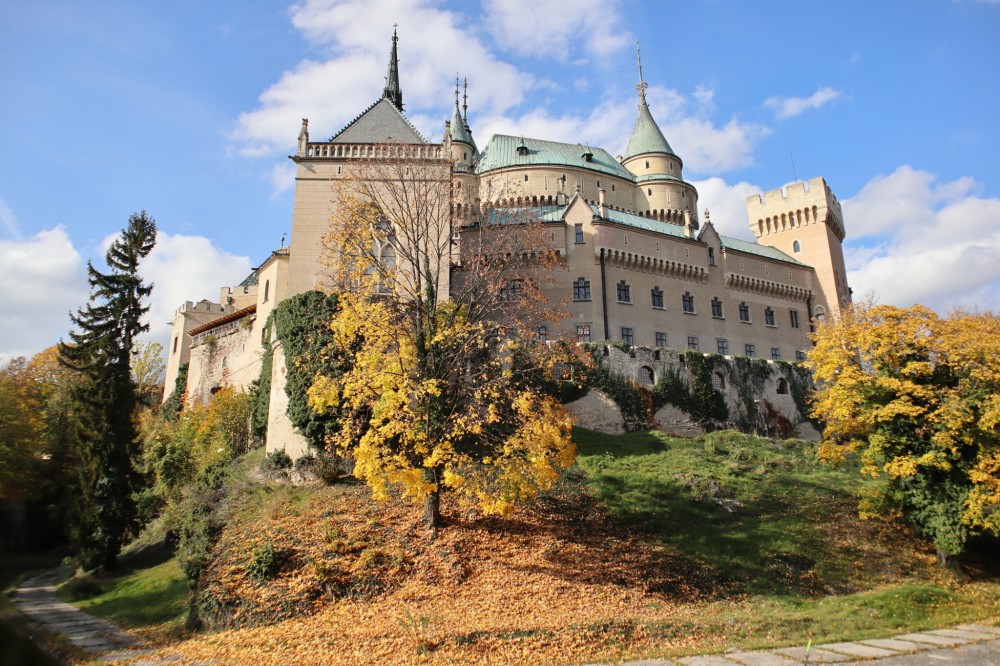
(642, 85)
(465, 101)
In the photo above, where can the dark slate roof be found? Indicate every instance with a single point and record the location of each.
(381, 122)
(501, 151)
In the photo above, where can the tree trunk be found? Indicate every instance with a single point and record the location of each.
(432, 504)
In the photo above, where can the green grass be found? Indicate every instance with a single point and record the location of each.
(779, 534)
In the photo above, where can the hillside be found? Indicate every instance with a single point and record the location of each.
(651, 546)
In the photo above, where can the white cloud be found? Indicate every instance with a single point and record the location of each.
(789, 107)
(704, 147)
(586, 26)
(185, 268)
(357, 33)
(913, 240)
(8, 222)
(727, 205)
(42, 281)
(282, 178)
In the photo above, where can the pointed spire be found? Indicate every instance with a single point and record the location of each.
(646, 135)
(465, 103)
(641, 86)
(459, 127)
(392, 91)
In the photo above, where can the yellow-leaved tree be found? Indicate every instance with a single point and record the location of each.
(918, 396)
(443, 390)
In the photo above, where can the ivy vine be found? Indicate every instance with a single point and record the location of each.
(748, 376)
(800, 385)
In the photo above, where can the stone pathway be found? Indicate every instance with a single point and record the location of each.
(37, 599)
(973, 644)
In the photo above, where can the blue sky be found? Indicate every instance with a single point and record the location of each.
(189, 110)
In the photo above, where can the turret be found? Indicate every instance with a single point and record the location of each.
(804, 220)
(661, 190)
(463, 147)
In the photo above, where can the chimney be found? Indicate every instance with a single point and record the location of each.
(600, 204)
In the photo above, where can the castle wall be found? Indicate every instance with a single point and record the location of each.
(680, 266)
(187, 317)
(224, 358)
(602, 414)
(281, 434)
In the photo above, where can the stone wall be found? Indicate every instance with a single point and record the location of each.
(646, 367)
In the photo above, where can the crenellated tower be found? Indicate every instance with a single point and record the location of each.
(804, 220)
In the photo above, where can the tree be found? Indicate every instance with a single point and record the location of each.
(20, 448)
(147, 371)
(101, 349)
(919, 397)
(438, 392)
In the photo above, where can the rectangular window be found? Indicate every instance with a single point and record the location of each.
(722, 346)
(581, 289)
(583, 332)
(717, 308)
(711, 257)
(775, 354)
(624, 292)
(800, 356)
(512, 291)
(541, 334)
(768, 317)
(693, 342)
(661, 339)
(578, 228)
(795, 318)
(175, 344)
(744, 313)
(656, 295)
(687, 303)
(627, 335)
(750, 350)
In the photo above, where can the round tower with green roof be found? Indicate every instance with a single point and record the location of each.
(661, 192)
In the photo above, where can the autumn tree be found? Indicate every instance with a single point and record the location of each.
(101, 349)
(437, 393)
(147, 371)
(918, 396)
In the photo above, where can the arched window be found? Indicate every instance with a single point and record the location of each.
(718, 381)
(267, 290)
(782, 386)
(819, 313)
(796, 247)
(646, 376)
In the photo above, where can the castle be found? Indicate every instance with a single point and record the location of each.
(643, 266)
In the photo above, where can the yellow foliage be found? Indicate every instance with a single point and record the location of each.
(916, 394)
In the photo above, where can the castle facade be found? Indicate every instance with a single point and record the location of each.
(642, 265)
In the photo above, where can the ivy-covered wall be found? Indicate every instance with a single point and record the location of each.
(752, 395)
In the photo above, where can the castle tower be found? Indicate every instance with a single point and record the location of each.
(661, 192)
(804, 220)
(464, 155)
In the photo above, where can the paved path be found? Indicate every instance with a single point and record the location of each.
(37, 599)
(965, 645)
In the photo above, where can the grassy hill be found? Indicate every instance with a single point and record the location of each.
(650, 546)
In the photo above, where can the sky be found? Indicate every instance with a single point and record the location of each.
(189, 110)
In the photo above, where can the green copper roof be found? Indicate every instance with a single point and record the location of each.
(381, 122)
(459, 132)
(765, 251)
(640, 222)
(502, 151)
(646, 135)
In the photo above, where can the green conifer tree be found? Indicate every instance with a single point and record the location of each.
(101, 348)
